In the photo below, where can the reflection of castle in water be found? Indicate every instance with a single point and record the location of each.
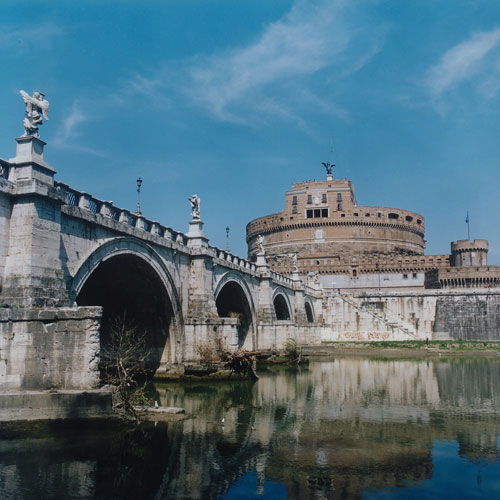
(334, 429)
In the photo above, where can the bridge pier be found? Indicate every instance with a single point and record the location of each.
(32, 274)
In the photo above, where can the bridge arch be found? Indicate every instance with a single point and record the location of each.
(309, 311)
(233, 299)
(127, 277)
(282, 306)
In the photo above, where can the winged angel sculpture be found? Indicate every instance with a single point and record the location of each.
(36, 107)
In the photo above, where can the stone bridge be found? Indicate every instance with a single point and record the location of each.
(63, 252)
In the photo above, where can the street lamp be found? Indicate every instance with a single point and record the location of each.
(227, 238)
(139, 184)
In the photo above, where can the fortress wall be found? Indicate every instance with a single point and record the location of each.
(473, 315)
(468, 317)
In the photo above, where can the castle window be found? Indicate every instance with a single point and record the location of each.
(405, 276)
(419, 221)
(339, 206)
(408, 218)
(379, 215)
(309, 214)
(294, 200)
(324, 212)
(339, 196)
(323, 198)
(356, 214)
(294, 209)
(367, 214)
(309, 199)
(342, 215)
(393, 216)
(317, 213)
(414, 275)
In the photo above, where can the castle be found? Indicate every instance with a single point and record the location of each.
(324, 232)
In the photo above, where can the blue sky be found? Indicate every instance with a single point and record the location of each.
(235, 100)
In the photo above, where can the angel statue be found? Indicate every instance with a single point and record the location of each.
(329, 167)
(195, 206)
(36, 107)
(260, 242)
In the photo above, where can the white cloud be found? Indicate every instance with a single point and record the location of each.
(20, 38)
(69, 131)
(69, 128)
(310, 38)
(463, 62)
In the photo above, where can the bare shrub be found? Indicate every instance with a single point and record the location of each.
(124, 361)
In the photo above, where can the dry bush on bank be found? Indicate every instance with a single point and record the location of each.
(124, 361)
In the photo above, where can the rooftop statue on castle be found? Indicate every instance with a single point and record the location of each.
(36, 107)
(329, 167)
(195, 206)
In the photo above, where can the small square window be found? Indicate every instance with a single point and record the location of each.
(405, 276)
(414, 275)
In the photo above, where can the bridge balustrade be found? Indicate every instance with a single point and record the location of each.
(4, 170)
(107, 209)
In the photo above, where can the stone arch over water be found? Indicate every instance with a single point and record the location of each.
(282, 307)
(233, 299)
(130, 281)
(309, 312)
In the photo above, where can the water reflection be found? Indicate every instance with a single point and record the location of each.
(347, 428)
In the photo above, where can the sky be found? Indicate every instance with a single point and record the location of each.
(233, 100)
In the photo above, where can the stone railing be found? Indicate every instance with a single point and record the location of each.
(122, 216)
(234, 259)
(285, 280)
(4, 169)
(107, 209)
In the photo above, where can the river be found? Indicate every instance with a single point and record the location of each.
(343, 428)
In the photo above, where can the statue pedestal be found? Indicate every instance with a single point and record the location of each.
(196, 236)
(29, 163)
(261, 262)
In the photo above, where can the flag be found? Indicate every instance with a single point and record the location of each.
(467, 218)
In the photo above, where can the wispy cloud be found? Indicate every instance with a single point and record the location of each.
(464, 62)
(311, 37)
(69, 128)
(19, 38)
(69, 131)
(277, 75)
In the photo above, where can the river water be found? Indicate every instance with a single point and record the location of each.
(339, 428)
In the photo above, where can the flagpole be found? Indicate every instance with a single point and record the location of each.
(468, 227)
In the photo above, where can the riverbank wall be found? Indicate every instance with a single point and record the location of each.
(415, 315)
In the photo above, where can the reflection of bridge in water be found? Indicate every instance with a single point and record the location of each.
(61, 248)
(282, 428)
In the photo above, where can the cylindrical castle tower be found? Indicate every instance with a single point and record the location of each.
(465, 253)
(323, 226)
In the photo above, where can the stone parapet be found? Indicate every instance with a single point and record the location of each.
(463, 277)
